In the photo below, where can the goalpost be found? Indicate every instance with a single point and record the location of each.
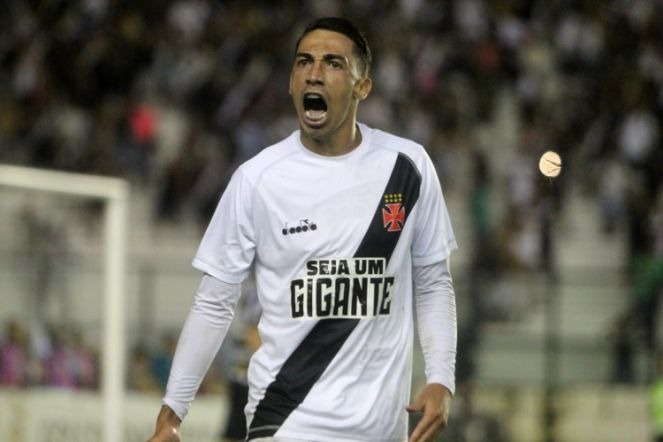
(114, 193)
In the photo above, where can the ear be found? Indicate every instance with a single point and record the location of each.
(290, 85)
(362, 88)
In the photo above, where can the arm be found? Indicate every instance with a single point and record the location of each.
(202, 334)
(435, 307)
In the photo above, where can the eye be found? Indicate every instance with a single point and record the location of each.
(335, 64)
(302, 62)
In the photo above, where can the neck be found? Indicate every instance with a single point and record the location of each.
(338, 143)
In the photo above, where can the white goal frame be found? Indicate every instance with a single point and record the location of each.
(114, 193)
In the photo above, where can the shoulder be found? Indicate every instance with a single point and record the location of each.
(412, 150)
(255, 167)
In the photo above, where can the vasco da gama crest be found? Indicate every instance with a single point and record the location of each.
(393, 216)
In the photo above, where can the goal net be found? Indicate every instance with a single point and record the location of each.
(30, 187)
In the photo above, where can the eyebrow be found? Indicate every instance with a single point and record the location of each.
(326, 57)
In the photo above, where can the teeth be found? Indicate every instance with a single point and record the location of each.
(315, 115)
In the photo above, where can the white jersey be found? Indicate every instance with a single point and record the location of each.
(333, 240)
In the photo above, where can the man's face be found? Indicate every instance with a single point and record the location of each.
(326, 84)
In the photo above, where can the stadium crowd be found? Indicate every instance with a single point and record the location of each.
(174, 94)
(61, 360)
(60, 356)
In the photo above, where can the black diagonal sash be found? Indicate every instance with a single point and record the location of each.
(309, 360)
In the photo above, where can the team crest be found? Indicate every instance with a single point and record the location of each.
(393, 216)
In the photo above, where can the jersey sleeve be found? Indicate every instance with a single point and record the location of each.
(433, 237)
(227, 249)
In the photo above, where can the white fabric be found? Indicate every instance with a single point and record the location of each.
(273, 439)
(200, 339)
(364, 390)
(435, 307)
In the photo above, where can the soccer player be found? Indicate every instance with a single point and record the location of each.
(349, 236)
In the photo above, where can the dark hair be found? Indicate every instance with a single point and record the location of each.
(345, 27)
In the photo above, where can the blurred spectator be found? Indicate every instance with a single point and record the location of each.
(86, 362)
(480, 212)
(14, 356)
(140, 376)
(638, 135)
(648, 279)
(43, 238)
(180, 177)
(638, 326)
(62, 363)
(137, 149)
(162, 359)
(483, 265)
(612, 185)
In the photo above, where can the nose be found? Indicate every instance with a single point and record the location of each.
(315, 73)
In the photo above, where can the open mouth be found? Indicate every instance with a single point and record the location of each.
(315, 108)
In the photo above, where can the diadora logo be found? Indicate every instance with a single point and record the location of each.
(393, 217)
(304, 226)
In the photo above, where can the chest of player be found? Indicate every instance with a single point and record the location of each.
(324, 208)
(316, 212)
(318, 223)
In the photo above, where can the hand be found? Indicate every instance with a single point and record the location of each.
(168, 427)
(434, 402)
(165, 436)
